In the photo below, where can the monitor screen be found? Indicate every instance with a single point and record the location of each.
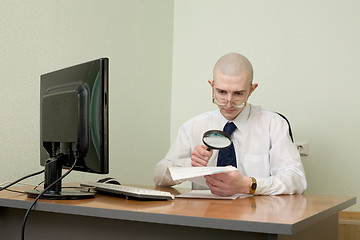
(74, 123)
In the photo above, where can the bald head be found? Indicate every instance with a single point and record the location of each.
(234, 64)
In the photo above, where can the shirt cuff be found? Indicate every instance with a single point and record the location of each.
(262, 186)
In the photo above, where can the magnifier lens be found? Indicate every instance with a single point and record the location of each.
(216, 139)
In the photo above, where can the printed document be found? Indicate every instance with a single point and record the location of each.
(196, 174)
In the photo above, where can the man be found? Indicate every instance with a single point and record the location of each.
(267, 160)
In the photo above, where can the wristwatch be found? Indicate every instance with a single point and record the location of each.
(252, 186)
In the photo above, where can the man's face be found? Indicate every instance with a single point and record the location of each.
(232, 90)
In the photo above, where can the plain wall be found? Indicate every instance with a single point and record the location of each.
(41, 36)
(305, 56)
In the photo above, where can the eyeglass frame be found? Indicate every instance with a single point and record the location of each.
(216, 101)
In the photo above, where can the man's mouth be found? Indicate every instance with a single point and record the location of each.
(228, 110)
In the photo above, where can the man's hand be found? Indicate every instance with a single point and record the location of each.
(200, 156)
(228, 183)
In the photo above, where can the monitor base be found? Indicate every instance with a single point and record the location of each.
(63, 195)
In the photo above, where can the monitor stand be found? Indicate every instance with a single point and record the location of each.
(53, 167)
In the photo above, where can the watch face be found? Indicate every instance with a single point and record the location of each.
(253, 185)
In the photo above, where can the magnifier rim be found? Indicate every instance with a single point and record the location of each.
(219, 132)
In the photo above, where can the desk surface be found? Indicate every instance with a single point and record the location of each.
(285, 214)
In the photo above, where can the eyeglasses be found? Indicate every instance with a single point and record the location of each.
(237, 101)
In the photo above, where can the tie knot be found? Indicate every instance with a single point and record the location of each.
(229, 128)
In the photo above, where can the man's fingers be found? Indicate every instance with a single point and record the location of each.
(198, 162)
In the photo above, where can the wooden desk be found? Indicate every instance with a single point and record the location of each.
(107, 217)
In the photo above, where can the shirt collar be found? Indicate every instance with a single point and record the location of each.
(240, 121)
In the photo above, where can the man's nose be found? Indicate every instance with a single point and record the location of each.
(229, 98)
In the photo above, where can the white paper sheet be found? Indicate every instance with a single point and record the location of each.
(196, 174)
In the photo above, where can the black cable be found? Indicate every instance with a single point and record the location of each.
(9, 185)
(38, 185)
(40, 195)
(15, 191)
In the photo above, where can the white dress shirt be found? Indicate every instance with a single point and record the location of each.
(262, 144)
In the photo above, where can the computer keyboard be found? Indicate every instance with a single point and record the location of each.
(133, 192)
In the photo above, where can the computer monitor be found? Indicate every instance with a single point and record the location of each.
(74, 124)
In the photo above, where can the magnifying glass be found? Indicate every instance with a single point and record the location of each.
(216, 139)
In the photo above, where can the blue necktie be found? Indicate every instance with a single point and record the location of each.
(227, 156)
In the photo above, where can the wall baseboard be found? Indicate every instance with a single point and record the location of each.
(349, 225)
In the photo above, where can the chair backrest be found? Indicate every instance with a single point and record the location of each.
(290, 132)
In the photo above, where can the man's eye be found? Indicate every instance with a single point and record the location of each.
(239, 94)
(222, 92)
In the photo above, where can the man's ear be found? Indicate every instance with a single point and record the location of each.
(253, 87)
(211, 83)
